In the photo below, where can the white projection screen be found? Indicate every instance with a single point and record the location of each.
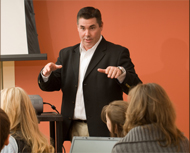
(19, 38)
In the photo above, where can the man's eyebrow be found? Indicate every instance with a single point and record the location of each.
(93, 25)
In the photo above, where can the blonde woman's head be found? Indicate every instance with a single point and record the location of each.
(16, 103)
(18, 106)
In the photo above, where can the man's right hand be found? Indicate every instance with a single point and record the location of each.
(49, 68)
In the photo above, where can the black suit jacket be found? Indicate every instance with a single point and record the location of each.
(98, 90)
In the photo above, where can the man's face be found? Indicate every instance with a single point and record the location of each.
(89, 32)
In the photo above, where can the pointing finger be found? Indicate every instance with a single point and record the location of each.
(58, 66)
(102, 70)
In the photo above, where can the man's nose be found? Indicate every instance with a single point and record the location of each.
(87, 32)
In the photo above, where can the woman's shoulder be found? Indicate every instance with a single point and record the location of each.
(22, 144)
(12, 147)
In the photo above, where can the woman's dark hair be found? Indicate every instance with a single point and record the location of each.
(116, 112)
(4, 127)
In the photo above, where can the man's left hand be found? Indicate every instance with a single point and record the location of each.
(111, 71)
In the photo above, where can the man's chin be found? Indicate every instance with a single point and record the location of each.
(88, 46)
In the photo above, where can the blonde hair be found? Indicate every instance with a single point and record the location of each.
(150, 104)
(116, 112)
(16, 103)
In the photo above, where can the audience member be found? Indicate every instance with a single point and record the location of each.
(114, 116)
(150, 124)
(4, 129)
(23, 122)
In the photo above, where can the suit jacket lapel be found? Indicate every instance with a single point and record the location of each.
(75, 61)
(97, 57)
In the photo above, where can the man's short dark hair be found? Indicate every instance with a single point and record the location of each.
(88, 13)
(4, 128)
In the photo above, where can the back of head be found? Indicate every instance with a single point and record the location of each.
(88, 13)
(150, 104)
(116, 111)
(23, 120)
(4, 128)
(16, 103)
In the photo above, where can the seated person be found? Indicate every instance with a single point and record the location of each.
(114, 116)
(150, 124)
(4, 129)
(23, 122)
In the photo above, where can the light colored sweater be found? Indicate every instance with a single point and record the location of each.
(144, 140)
(12, 147)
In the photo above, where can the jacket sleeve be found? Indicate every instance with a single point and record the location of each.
(131, 78)
(54, 81)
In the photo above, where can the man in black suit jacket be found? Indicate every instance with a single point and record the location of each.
(91, 75)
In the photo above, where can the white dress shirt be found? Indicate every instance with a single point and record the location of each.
(85, 57)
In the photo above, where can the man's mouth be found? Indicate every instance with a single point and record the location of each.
(88, 40)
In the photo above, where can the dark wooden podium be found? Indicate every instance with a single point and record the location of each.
(55, 121)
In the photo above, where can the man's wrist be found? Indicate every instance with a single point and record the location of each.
(123, 74)
(122, 69)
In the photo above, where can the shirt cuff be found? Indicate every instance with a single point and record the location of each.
(45, 78)
(122, 76)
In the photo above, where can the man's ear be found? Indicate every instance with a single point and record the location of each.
(7, 140)
(101, 26)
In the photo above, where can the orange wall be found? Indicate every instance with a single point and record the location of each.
(155, 32)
